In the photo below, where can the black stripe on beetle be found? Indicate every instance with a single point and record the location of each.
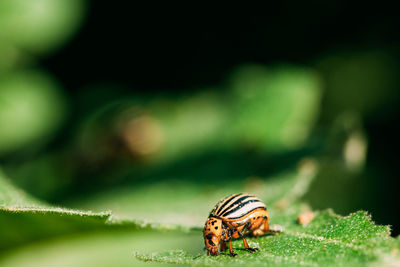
(247, 213)
(241, 199)
(224, 202)
(242, 205)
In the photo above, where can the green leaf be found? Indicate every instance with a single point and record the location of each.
(98, 248)
(70, 240)
(24, 219)
(33, 233)
(72, 237)
(328, 240)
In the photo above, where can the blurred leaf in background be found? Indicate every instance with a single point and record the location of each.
(361, 95)
(138, 135)
(363, 81)
(40, 26)
(32, 109)
(275, 107)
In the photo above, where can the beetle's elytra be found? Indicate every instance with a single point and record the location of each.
(233, 217)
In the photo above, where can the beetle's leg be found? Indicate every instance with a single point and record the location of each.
(266, 225)
(223, 246)
(246, 245)
(264, 228)
(245, 228)
(231, 249)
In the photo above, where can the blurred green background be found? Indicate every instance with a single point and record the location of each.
(101, 103)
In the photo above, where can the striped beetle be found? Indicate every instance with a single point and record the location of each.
(233, 217)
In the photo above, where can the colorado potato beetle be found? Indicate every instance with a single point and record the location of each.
(233, 217)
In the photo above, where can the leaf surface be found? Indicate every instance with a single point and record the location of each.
(329, 240)
(24, 218)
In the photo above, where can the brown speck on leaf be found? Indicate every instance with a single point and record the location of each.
(306, 217)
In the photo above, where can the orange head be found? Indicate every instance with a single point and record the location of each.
(212, 234)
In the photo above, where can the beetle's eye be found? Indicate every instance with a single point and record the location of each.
(209, 236)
